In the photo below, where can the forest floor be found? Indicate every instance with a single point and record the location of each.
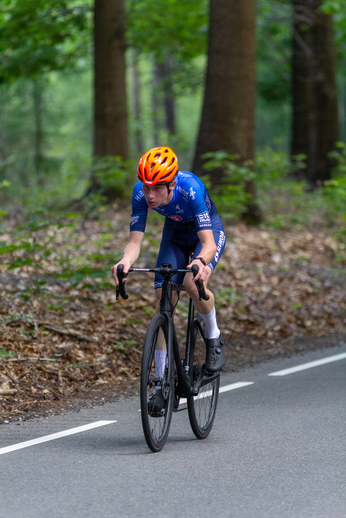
(64, 344)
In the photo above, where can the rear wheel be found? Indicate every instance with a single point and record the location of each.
(202, 408)
(157, 387)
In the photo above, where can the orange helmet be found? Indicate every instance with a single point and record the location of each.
(159, 165)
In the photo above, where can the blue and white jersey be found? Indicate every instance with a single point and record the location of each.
(190, 204)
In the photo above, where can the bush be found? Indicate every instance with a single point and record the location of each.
(335, 189)
(114, 176)
(230, 197)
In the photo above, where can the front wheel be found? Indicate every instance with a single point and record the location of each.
(202, 408)
(157, 386)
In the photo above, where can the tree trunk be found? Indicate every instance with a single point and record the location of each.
(228, 114)
(166, 83)
(110, 109)
(38, 134)
(136, 103)
(155, 104)
(315, 118)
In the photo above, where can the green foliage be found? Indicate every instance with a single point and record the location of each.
(230, 197)
(179, 28)
(335, 189)
(48, 249)
(171, 29)
(337, 8)
(53, 307)
(274, 37)
(274, 167)
(38, 36)
(4, 353)
(227, 297)
(114, 174)
(285, 202)
(67, 123)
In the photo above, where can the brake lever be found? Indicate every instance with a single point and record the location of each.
(121, 286)
(199, 285)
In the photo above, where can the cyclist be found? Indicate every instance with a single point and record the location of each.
(192, 224)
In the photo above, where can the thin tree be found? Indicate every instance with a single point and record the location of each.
(136, 99)
(228, 114)
(155, 103)
(166, 82)
(37, 94)
(315, 118)
(110, 107)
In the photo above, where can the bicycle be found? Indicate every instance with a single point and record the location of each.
(185, 377)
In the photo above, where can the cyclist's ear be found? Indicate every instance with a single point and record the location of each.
(171, 185)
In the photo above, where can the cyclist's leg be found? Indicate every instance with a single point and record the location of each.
(204, 307)
(215, 346)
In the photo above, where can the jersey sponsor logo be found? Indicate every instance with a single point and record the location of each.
(179, 210)
(220, 245)
(134, 220)
(139, 195)
(203, 218)
(175, 218)
(183, 192)
(192, 193)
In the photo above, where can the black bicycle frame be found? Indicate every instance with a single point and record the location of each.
(185, 387)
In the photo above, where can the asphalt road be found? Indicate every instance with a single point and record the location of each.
(277, 450)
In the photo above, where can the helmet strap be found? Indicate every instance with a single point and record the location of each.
(169, 185)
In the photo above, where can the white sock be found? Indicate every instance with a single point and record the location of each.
(160, 360)
(211, 329)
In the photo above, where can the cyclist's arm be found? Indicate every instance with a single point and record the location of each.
(131, 253)
(208, 251)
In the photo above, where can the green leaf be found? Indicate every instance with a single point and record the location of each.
(19, 263)
(5, 353)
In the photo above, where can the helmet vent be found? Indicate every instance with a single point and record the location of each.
(159, 165)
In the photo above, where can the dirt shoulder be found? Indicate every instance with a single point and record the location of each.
(278, 293)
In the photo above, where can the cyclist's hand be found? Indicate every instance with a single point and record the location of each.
(127, 266)
(203, 271)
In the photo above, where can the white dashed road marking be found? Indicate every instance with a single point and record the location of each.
(226, 388)
(309, 365)
(54, 436)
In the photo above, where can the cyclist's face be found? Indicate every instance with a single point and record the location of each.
(156, 195)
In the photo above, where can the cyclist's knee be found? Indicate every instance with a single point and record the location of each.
(190, 286)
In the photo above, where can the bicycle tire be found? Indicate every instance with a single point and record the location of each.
(201, 408)
(156, 427)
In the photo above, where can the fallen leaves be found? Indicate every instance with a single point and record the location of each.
(271, 287)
